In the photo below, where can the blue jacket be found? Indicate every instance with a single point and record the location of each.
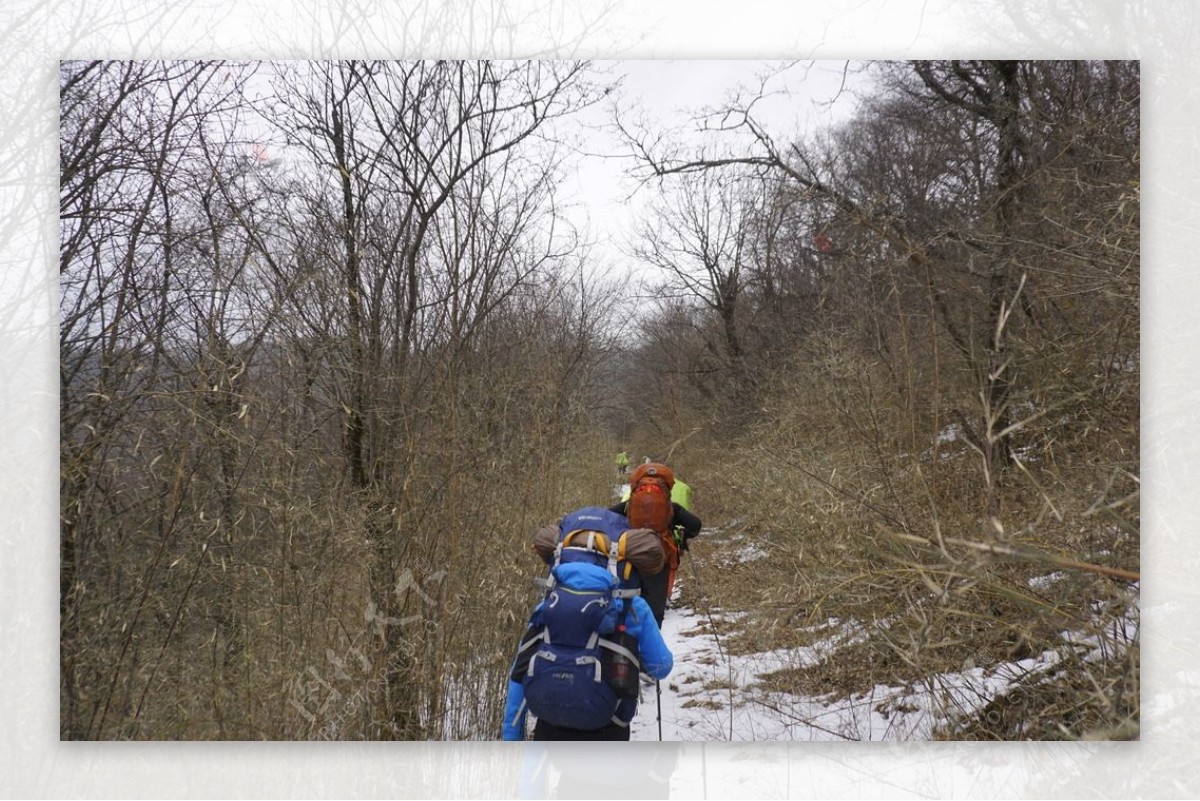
(656, 657)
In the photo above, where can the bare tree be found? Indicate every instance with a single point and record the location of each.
(155, 312)
(958, 202)
(702, 237)
(443, 177)
(965, 251)
(299, 382)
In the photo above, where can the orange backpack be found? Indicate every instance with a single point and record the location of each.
(649, 503)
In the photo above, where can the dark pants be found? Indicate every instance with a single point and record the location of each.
(545, 731)
(654, 590)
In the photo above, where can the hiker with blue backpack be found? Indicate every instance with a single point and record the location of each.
(578, 664)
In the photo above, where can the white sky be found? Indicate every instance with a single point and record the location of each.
(666, 95)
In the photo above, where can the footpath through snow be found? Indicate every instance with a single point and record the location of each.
(713, 695)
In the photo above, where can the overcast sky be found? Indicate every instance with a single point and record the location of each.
(806, 97)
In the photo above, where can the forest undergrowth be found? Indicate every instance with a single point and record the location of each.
(1054, 593)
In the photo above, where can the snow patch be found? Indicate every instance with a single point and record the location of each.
(714, 695)
(1042, 582)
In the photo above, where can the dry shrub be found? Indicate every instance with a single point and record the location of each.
(861, 521)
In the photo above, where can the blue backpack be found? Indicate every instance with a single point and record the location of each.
(578, 666)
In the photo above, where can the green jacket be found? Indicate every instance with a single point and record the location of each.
(682, 494)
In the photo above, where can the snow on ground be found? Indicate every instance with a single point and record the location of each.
(1043, 582)
(712, 695)
(698, 704)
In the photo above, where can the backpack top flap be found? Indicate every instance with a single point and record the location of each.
(653, 470)
(588, 535)
(594, 518)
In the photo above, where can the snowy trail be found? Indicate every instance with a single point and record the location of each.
(698, 703)
(689, 710)
(713, 695)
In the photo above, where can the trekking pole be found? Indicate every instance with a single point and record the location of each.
(716, 637)
(658, 692)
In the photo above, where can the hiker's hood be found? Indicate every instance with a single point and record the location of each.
(584, 576)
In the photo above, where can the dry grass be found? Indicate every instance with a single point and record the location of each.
(837, 533)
